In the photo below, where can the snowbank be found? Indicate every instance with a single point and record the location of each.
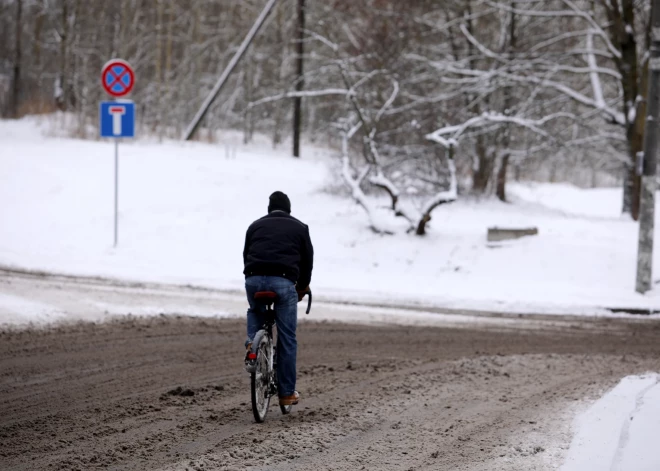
(620, 431)
(184, 208)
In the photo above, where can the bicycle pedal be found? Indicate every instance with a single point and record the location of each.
(250, 366)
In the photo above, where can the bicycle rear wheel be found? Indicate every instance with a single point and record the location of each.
(260, 380)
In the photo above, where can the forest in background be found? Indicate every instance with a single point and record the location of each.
(415, 93)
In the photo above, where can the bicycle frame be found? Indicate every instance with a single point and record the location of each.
(267, 328)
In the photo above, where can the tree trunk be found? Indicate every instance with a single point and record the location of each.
(636, 187)
(167, 89)
(628, 179)
(425, 217)
(73, 64)
(481, 175)
(311, 122)
(124, 27)
(635, 137)
(501, 178)
(61, 97)
(421, 226)
(248, 125)
(194, 58)
(279, 113)
(297, 101)
(621, 16)
(158, 64)
(508, 105)
(168, 48)
(650, 168)
(16, 79)
(36, 49)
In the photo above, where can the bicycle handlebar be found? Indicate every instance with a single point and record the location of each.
(309, 301)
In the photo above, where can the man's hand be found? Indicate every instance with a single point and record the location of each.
(302, 293)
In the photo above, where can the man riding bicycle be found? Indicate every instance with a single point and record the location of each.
(278, 256)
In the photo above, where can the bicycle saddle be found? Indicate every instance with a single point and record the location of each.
(265, 296)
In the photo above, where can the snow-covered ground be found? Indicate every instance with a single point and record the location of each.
(184, 208)
(620, 431)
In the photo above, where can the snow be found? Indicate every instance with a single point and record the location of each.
(184, 208)
(571, 201)
(620, 431)
(53, 300)
(46, 301)
(449, 195)
(17, 310)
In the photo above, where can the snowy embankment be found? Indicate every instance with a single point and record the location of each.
(620, 431)
(184, 208)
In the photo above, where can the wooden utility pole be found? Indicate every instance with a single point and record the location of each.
(649, 173)
(190, 131)
(300, 81)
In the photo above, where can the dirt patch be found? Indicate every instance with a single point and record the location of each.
(179, 391)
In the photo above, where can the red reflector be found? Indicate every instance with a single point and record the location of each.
(252, 356)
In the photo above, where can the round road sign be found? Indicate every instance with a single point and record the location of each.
(117, 78)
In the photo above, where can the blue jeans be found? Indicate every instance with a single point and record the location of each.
(286, 317)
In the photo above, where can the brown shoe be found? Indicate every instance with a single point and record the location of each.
(291, 400)
(250, 363)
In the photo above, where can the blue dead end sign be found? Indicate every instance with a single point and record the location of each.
(117, 119)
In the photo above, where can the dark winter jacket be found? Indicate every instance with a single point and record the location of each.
(279, 245)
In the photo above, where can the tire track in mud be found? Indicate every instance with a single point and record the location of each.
(413, 421)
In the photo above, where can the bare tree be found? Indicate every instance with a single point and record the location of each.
(300, 78)
(16, 78)
(551, 89)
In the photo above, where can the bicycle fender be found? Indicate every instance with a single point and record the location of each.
(257, 340)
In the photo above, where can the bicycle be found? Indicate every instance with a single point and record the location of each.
(262, 359)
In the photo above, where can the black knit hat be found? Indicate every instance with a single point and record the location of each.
(278, 201)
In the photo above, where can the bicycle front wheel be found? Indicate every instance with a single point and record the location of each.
(260, 380)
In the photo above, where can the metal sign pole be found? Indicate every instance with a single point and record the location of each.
(116, 186)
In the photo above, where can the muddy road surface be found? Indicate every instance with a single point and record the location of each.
(168, 392)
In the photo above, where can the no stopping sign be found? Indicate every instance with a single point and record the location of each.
(117, 78)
